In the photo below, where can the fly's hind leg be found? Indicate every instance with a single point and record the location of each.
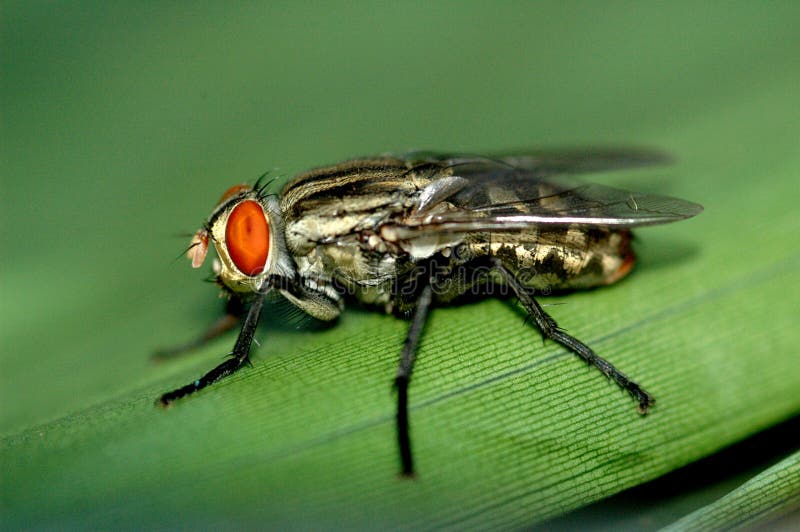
(233, 315)
(550, 329)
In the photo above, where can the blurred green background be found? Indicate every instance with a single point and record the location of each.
(121, 125)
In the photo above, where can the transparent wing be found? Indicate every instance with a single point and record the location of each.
(513, 192)
(541, 163)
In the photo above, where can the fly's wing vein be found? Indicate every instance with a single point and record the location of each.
(515, 192)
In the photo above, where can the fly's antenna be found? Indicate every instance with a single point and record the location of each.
(185, 251)
(188, 249)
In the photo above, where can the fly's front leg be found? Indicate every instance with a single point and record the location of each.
(403, 377)
(550, 329)
(233, 315)
(238, 358)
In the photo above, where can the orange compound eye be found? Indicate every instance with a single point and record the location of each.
(247, 237)
(235, 190)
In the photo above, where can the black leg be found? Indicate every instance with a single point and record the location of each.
(238, 358)
(550, 329)
(224, 324)
(403, 377)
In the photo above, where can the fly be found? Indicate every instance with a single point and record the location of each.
(406, 233)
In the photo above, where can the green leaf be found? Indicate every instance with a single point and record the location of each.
(768, 496)
(122, 124)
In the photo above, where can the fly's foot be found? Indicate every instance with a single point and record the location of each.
(645, 399)
(166, 400)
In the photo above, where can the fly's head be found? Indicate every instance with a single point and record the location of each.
(247, 232)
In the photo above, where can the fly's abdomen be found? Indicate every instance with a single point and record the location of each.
(560, 258)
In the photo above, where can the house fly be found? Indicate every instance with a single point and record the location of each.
(406, 233)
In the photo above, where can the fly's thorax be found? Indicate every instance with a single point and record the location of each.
(247, 231)
(352, 198)
(352, 264)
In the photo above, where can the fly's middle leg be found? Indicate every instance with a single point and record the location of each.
(403, 377)
(550, 329)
